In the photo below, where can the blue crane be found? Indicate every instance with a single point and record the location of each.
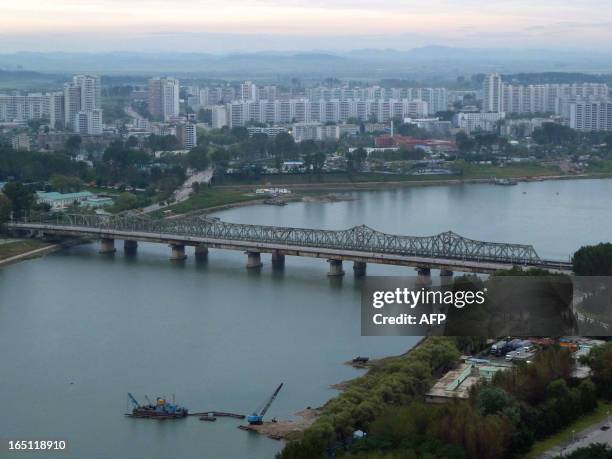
(256, 419)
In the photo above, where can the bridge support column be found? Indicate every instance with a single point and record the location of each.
(201, 252)
(253, 260)
(178, 252)
(446, 277)
(359, 268)
(278, 260)
(130, 247)
(107, 245)
(335, 268)
(423, 276)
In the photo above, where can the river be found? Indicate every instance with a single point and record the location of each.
(78, 330)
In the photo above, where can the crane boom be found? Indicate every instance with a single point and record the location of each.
(265, 408)
(133, 400)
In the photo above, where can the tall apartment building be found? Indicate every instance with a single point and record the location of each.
(83, 94)
(588, 114)
(164, 98)
(492, 90)
(187, 136)
(219, 116)
(57, 115)
(536, 98)
(248, 91)
(88, 122)
(17, 108)
(240, 113)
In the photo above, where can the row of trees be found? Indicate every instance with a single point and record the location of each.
(501, 419)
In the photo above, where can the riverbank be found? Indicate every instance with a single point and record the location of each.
(15, 250)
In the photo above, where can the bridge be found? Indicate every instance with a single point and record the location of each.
(447, 251)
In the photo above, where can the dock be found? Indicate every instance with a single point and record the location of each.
(217, 414)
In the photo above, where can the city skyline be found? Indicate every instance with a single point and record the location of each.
(242, 25)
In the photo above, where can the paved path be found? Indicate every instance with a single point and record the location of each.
(590, 435)
(182, 193)
(30, 254)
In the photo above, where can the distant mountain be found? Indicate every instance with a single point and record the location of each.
(431, 63)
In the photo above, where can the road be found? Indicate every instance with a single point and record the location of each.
(586, 437)
(182, 193)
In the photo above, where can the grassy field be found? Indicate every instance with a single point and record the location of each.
(470, 171)
(565, 436)
(206, 199)
(333, 177)
(12, 248)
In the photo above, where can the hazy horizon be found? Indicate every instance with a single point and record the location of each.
(270, 25)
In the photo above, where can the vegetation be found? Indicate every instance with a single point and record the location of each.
(396, 381)
(593, 260)
(205, 198)
(595, 451)
(13, 248)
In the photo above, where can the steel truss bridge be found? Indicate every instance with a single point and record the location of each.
(361, 244)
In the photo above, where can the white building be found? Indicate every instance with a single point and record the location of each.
(164, 98)
(88, 122)
(219, 116)
(248, 91)
(588, 114)
(187, 135)
(492, 93)
(472, 122)
(21, 142)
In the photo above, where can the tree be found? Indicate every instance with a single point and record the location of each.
(5, 208)
(73, 144)
(198, 158)
(464, 142)
(65, 183)
(593, 260)
(22, 199)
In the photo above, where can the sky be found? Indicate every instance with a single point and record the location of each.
(223, 26)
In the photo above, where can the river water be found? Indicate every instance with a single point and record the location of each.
(78, 330)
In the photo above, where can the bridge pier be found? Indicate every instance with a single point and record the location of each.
(359, 268)
(278, 260)
(178, 252)
(335, 268)
(130, 247)
(446, 277)
(423, 276)
(253, 260)
(107, 245)
(201, 252)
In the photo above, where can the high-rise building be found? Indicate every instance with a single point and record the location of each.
(248, 91)
(88, 122)
(83, 94)
(164, 98)
(219, 116)
(492, 88)
(57, 117)
(187, 136)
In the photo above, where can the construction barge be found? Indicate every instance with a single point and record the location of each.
(160, 410)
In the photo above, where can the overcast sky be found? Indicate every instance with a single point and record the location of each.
(256, 25)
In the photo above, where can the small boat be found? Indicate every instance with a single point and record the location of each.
(208, 418)
(161, 409)
(504, 182)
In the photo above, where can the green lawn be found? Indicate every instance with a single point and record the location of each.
(513, 170)
(564, 436)
(205, 199)
(10, 249)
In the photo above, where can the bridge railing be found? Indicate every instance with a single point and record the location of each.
(359, 238)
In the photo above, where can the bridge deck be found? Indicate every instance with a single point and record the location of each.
(452, 263)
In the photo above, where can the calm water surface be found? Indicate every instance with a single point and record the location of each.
(78, 330)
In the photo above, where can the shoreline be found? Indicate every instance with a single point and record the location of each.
(364, 186)
(312, 191)
(30, 254)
